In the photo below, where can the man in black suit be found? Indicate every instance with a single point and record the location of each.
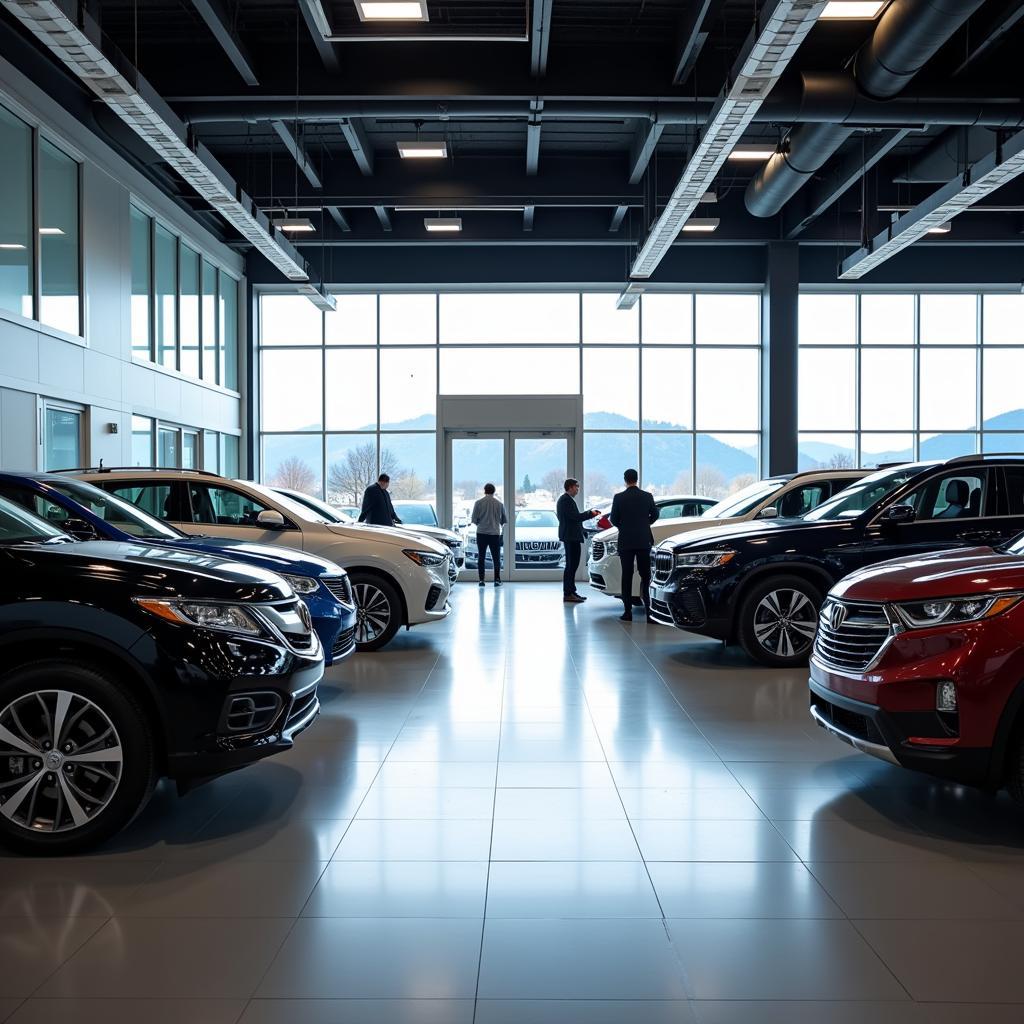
(377, 508)
(633, 511)
(570, 533)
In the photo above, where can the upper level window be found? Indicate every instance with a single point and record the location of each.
(40, 274)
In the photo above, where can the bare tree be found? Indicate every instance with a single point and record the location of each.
(467, 488)
(406, 484)
(841, 460)
(681, 484)
(737, 483)
(554, 481)
(710, 482)
(347, 479)
(597, 487)
(295, 474)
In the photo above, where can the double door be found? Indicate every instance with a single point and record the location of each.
(528, 470)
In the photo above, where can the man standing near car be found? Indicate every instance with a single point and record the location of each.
(377, 508)
(570, 533)
(489, 519)
(633, 511)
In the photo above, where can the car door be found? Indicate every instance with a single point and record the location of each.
(1009, 520)
(219, 510)
(162, 499)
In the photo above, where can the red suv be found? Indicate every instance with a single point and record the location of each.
(920, 662)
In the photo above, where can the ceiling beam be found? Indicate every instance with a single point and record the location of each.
(319, 28)
(1000, 167)
(1010, 16)
(382, 216)
(219, 23)
(847, 172)
(533, 136)
(644, 144)
(298, 152)
(355, 136)
(618, 217)
(694, 29)
(540, 36)
(339, 218)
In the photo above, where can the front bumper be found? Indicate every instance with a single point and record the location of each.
(683, 601)
(606, 574)
(427, 595)
(332, 622)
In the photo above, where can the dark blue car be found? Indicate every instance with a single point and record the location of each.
(87, 513)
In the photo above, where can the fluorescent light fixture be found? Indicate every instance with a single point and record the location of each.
(433, 207)
(853, 9)
(709, 197)
(423, 149)
(702, 224)
(449, 224)
(51, 231)
(940, 229)
(631, 296)
(760, 151)
(295, 225)
(11, 245)
(392, 10)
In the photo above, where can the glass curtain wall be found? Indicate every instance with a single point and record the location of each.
(912, 376)
(671, 387)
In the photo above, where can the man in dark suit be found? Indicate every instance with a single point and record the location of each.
(633, 511)
(377, 508)
(570, 533)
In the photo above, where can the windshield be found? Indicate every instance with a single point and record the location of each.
(536, 517)
(319, 507)
(18, 526)
(290, 505)
(740, 503)
(859, 497)
(115, 511)
(412, 513)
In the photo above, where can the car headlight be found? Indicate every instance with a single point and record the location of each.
(921, 614)
(703, 559)
(425, 558)
(230, 618)
(302, 585)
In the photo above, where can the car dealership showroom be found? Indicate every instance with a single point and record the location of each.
(511, 511)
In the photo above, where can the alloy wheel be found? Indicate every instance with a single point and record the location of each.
(60, 761)
(785, 622)
(373, 612)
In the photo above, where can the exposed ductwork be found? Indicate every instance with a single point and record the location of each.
(77, 46)
(907, 36)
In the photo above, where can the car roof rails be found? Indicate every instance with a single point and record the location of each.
(135, 469)
(984, 455)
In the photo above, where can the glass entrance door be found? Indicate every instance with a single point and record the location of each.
(528, 470)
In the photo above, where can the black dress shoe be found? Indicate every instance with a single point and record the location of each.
(573, 599)
(625, 618)
(482, 584)
(497, 583)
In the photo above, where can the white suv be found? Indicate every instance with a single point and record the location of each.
(788, 496)
(398, 578)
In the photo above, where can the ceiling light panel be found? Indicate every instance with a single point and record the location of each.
(451, 225)
(858, 10)
(702, 224)
(392, 10)
(753, 152)
(423, 149)
(295, 225)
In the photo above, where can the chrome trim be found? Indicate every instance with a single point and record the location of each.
(874, 749)
(895, 628)
(303, 723)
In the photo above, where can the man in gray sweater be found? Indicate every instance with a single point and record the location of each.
(489, 519)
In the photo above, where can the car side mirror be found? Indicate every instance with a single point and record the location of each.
(80, 529)
(270, 519)
(896, 515)
(771, 512)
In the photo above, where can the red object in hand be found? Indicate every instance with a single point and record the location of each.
(604, 523)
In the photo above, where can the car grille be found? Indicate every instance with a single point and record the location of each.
(346, 638)
(597, 550)
(851, 636)
(662, 568)
(660, 612)
(538, 545)
(291, 621)
(340, 587)
(433, 595)
(850, 722)
(304, 709)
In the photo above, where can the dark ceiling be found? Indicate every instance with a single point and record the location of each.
(552, 111)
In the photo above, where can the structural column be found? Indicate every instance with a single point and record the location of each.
(779, 318)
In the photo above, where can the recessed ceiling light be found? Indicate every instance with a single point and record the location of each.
(51, 231)
(859, 9)
(761, 151)
(705, 224)
(449, 224)
(423, 149)
(295, 225)
(392, 10)
(941, 229)
(11, 245)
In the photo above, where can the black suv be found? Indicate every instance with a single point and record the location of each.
(763, 583)
(122, 663)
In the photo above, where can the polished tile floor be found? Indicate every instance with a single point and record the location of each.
(534, 814)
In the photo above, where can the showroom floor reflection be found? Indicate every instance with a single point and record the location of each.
(534, 813)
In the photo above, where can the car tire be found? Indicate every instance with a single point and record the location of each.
(378, 610)
(1015, 764)
(778, 620)
(55, 804)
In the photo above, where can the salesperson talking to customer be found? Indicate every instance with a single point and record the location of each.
(570, 533)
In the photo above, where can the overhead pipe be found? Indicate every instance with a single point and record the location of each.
(907, 36)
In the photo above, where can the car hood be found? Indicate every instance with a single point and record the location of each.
(434, 532)
(536, 533)
(663, 528)
(737, 530)
(155, 570)
(281, 560)
(959, 573)
(392, 535)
